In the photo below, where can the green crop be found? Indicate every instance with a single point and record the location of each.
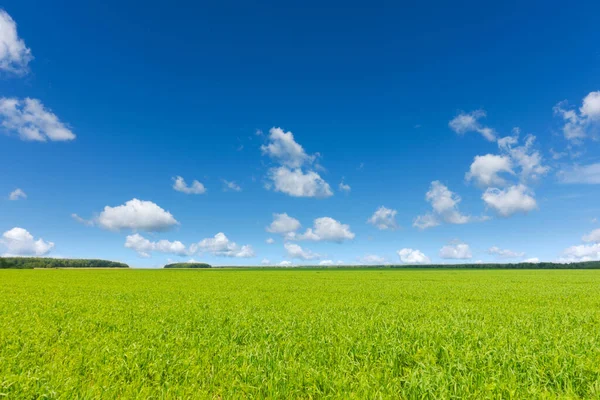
(360, 334)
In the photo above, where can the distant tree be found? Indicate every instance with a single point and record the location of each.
(37, 262)
(188, 265)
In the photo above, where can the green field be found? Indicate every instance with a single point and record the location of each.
(299, 334)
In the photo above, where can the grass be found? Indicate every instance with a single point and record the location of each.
(299, 334)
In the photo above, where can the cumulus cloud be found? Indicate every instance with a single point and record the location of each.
(295, 251)
(295, 175)
(144, 246)
(19, 242)
(284, 149)
(533, 260)
(504, 253)
(525, 157)
(485, 170)
(326, 262)
(231, 186)
(410, 256)
(581, 174)
(296, 183)
(283, 224)
(384, 218)
(469, 122)
(195, 188)
(270, 241)
(509, 201)
(220, 245)
(459, 251)
(285, 264)
(593, 236)
(136, 215)
(265, 261)
(445, 208)
(14, 54)
(325, 229)
(582, 252)
(578, 126)
(31, 121)
(17, 194)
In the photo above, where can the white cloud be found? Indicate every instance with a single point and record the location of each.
(220, 245)
(232, 186)
(284, 149)
(593, 236)
(326, 229)
(289, 177)
(144, 246)
(344, 187)
(583, 124)
(445, 207)
(283, 224)
(285, 264)
(585, 174)
(582, 253)
(195, 188)
(296, 183)
(591, 106)
(265, 261)
(533, 260)
(426, 221)
(136, 215)
(504, 253)
(83, 221)
(469, 122)
(14, 54)
(485, 169)
(270, 241)
(17, 194)
(19, 242)
(525, 157)
(326, 262)
(384, 218)
(372, 259)
(295, 251)
(509, 201)
(459, 251)
(410, 256)
(31, 121)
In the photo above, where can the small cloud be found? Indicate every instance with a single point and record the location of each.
(384, 219)
(17, 194)
(195, 188)
(231, 186)
(344, 187)
(270, 241)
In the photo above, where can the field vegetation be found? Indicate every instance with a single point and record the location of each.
(377, 333)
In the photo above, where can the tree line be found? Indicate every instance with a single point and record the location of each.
(37, 262)
(188, 265)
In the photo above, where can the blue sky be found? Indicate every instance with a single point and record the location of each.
(270, 106)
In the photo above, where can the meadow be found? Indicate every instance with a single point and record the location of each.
(299, 334)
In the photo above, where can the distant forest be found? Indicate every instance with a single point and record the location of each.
(36, 262)
(523, 265)
(188, 265)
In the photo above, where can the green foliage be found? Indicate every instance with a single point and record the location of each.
(38, 262)
(523, 265)
(362, 334)
(188, 265)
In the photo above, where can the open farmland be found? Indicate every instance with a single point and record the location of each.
(300, 333)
